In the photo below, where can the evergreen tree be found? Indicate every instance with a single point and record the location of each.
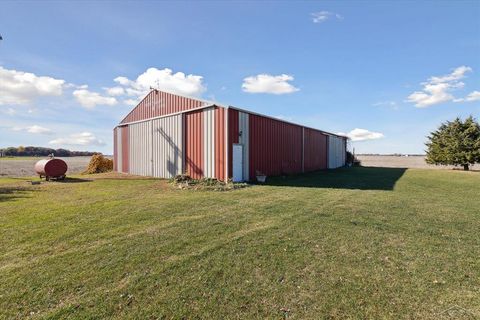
(455, 143)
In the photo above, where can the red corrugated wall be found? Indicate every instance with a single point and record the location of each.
(125, 149)
(315, 153)
(275, 146)
(232, 136)
(194, 144)
(115, 149)
(220, 143)
(158, 103)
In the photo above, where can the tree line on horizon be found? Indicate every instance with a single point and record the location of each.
(31, 151)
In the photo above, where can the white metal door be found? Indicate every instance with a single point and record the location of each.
(237, 162)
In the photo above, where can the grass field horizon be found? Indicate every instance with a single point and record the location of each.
(346, 243)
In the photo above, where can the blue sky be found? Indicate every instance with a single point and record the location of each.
(387, 73)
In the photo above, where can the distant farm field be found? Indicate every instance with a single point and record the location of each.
(402, 162)
(23, 166)
(357, 243)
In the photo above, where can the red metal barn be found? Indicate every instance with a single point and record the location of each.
(167, 134)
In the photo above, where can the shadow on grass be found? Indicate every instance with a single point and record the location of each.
(362, 178)
(74, 180)
(10, 193)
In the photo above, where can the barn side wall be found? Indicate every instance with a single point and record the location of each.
(336, 152)
(275, 147)
(315, 150)
(191, 142)
(140, 148)
(219, 136)
(115, 150)
(194, 141)
(167, 146)
(123, 142)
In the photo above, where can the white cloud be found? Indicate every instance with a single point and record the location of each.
(438, 89)
(115, 91)
(18, 87)
(472, 96)
(322, 16)
(362, 135)
(123, 81)
(90, 99)
(164, 79)
(265, 83)
(79, 139)
(35, 129)
(457, 74)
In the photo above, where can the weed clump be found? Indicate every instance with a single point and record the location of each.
(98, 164)
(183, 181)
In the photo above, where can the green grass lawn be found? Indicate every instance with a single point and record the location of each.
(350, 243)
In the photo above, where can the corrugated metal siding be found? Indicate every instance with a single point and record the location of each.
(167, 146)
(220, 143)
(233, 131)
(194, 144)
(243, 139)
(124, 149)
(336, 152)
(275, 146)
(315, 150)
(140, 149)
(115, 151)
(158, 103)
(209, 142)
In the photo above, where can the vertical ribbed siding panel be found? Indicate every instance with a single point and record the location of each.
(243, 139)
(220, 144)
(124, 149)
(167, 146)
(159, 103)
(194, 144)
(275, 146)
(209, 142)
(140, 139)
(315, 150)
(336, 152)
(232, 136)
(119, 150)
(331, 152)
(115, 156)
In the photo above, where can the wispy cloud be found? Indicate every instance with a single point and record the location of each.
(265, 83)
(90, 100)
(35, 129)
(472, 96)
(79, 139)
(437, 89)
(322, 16)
